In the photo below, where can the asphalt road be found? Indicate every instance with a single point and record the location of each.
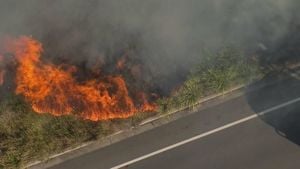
(268, 141)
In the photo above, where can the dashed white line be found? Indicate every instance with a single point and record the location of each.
(206, 134)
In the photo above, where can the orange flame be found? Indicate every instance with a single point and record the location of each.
(51, 89)
(121, 63)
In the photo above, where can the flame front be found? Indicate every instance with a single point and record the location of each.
(51, 89)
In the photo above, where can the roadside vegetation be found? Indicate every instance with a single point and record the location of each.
(26, 136)
(215, 73)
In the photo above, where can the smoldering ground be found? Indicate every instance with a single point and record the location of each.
(165, 36)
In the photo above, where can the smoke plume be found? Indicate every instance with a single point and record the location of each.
(166, 36)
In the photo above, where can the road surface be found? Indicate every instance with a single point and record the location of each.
(256, 130)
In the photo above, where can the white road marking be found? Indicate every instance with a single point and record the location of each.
(206, 134)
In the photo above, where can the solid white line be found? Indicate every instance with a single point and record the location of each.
(206, 134)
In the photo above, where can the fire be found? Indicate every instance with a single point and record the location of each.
(53, 89)
(121, 63)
